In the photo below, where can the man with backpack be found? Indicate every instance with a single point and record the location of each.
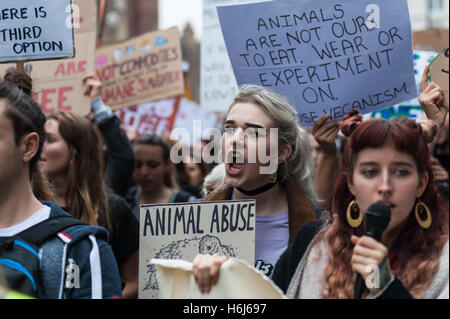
(44, 252)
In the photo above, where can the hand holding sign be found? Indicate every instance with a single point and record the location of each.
(325, 133)
(431, 98)
(206, 270)
(93, 86)
(439, 73)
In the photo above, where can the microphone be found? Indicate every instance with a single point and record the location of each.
(377, 217)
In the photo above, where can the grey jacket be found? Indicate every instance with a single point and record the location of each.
(78, 263)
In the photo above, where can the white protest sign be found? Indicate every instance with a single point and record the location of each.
(35, 30)
(218, 85)
(161, 117)
(183, 230)
(194, 119)
(238, 280)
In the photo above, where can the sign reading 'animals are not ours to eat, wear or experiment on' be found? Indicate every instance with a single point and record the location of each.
(184, 230)
(323, 56)
(36, 30)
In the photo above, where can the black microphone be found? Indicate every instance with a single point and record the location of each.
(377, 217)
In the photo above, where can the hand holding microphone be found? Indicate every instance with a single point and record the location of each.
(369, 254)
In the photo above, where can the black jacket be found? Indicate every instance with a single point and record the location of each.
(119, 156)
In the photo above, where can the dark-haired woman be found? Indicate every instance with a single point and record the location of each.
(154, 174)
(72, 159)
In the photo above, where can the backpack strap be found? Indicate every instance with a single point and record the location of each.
(40, 232)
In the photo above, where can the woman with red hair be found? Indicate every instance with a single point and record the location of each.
(389, 162)
(383, 161)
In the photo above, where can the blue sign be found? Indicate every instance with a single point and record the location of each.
(36, 30)
(323, 56)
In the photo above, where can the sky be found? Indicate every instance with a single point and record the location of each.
(179, 12)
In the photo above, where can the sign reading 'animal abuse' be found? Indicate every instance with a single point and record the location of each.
(323, 56)
(35, 30)
(184, 230)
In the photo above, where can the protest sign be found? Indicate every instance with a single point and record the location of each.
(57, 84)
(218, 84)
(195, 120)
(35, 30)
(439, 69)
(161, 117)
(154, 117)
(183, 230)
(143, 69)
(410, 108)
(323, 56)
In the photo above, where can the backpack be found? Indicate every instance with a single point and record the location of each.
(19, 254)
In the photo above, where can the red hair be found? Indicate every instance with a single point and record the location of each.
(418, 259)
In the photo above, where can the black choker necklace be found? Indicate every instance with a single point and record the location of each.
(257, 191)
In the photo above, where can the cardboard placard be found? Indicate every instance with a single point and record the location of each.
(183, 230)
(154, 117)
(161, 117)
(143, 69)
(57, 84)
(36, 30)
(439, 69)
(323, 56)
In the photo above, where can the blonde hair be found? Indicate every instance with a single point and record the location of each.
(298, 169)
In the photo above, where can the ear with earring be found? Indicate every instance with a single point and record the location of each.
(354, 214)
(422, 214)
(273, 178)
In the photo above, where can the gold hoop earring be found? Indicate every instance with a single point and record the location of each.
(353, 209)
(419, 211)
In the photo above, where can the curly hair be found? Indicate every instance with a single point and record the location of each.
(419, 257)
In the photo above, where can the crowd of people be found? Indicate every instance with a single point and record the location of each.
(310, 232)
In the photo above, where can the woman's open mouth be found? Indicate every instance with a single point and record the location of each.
(235, 164)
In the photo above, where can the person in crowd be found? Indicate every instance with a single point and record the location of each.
(154, 174)
(72, 158)
(214, 179)
(188, 174)
(326, 154)
(383, 161)
(284, 195)
(197, 171)
(119, 156)
(432, 96)
(39, 183)
(22, 136)
(441, 149)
